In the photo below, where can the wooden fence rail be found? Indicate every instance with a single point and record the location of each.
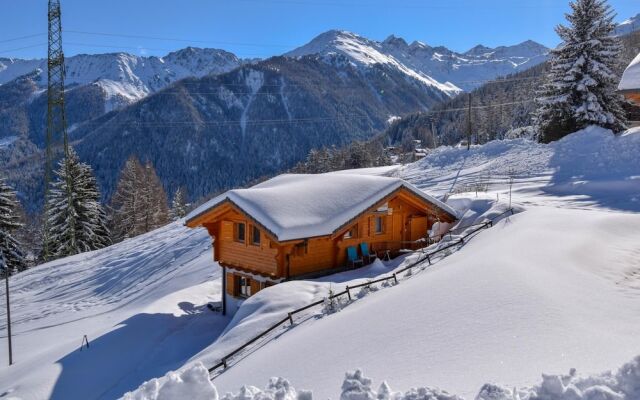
(425, 257)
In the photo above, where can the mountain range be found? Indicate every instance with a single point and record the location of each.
(628, 26)
(448, 70)
(210, 120)
(125, 78)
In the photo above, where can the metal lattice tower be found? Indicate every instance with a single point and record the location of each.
(56, 120)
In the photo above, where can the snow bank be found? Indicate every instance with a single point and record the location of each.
(631, 77)
(193, 383)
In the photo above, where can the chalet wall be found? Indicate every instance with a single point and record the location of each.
(261, 259)
(312, 255)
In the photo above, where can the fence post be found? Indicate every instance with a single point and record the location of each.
(224, 363)
(290, 318)
(348, 293)
(395, 278)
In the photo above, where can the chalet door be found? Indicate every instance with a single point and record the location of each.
(406, 232)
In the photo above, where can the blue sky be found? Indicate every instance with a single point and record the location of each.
(260, 28)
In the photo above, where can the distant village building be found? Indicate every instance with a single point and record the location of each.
(630, 87)
(296, 226)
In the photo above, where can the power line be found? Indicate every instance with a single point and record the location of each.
(137, 47)
(238, 122)
(22, 48)
(480, 107)
(395, 6)
(291, 120)
(262, 122)
(170, 39)
(22, 37)
(310, 83)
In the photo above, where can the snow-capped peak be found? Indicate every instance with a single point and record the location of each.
(478, 50)
(125, 77)
(627, 26)
(394, 40)
(436, 66)
(365, 52)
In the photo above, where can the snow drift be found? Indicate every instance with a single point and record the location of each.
(193, 383)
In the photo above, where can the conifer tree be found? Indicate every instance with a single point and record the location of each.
(179, 204)
(76, 221)
(154, 197)
(581, 84)
(126, 202)
(9, 223)
(139, 203)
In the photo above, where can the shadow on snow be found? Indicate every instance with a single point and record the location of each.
(138, 349)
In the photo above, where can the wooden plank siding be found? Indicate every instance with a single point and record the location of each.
(261, 259)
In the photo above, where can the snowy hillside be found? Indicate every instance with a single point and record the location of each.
(437, 65)
(140, 303)
(125, 78)
(554, 287)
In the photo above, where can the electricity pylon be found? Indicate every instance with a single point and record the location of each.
(56, 121)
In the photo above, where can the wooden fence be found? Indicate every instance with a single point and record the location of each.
(425, 256)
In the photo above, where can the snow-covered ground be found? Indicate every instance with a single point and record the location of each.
(554, 287)
(140, 303)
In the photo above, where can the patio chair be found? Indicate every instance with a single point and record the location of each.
(364, 249)
(352, 255)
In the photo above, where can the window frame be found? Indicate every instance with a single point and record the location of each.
(244, 290)
(379, 219)
(255, 232)
(237, 230)
(352, 233)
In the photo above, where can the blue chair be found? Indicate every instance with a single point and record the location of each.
(364, 249)
(352, 255)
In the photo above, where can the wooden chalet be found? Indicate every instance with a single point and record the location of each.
(296, 226)
(630, 87)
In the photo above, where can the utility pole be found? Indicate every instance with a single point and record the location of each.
(433, 132)
(5, 267)
(469, 121)
(56, 120)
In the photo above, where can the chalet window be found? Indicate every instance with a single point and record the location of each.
(244, 287)
(255, 236)
(351, 233)
(379, 228)
(239, 231)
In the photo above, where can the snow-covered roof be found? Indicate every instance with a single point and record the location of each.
(631, 77)
(295, 206)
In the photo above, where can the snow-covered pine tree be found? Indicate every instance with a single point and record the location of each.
(76, 221)
(581, 84)
(9, 224)
(179, 204)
